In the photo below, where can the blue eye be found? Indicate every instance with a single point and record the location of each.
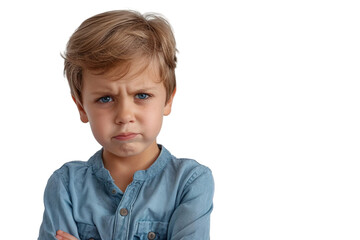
(105, 99)
(142, 96)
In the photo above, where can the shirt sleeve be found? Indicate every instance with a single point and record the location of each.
(191, 219)
(58, 214)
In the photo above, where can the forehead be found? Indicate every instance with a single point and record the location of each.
(138, 72)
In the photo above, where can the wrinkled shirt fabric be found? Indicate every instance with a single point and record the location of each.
(172, 199)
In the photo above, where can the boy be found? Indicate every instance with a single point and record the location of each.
(120, 67)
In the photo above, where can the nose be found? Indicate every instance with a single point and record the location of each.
(124, 112)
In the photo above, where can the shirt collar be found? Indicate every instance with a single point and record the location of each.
(156, 167)
(103, 174)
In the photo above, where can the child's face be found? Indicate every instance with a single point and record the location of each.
(125, 114)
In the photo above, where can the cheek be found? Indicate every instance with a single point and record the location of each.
(152, 119)
(98, 122)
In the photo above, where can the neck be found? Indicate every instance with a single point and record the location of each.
(142, 161)
(122, 169)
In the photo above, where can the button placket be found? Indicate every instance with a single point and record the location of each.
(124, 209)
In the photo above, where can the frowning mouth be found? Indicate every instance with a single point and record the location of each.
(125, 136)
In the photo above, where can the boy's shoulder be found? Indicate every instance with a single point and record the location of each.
(80, 168)
(168, 164)
(181, 162)
(188, 164)
(73, 166)
(71, 170)
(186, 170)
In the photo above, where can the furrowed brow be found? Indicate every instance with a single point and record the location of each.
(101, 92)
(149, 89)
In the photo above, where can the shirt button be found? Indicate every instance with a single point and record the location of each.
(113, 191)
(151, 235)
(124, 212)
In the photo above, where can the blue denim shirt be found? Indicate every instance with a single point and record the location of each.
(170, 200)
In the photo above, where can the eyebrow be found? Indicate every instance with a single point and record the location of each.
(102, 92)
(111, 92)
(146, 89)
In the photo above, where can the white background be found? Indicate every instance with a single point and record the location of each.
(268, 97)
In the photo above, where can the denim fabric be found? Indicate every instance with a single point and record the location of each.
(170, 200)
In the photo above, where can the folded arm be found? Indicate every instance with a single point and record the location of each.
(191, 219)
(58, 213)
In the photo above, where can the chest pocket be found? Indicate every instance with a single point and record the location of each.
(88, 232)
(151, 230)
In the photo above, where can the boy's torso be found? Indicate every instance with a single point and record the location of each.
(102, 211)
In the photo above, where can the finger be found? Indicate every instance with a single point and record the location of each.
(61, 235)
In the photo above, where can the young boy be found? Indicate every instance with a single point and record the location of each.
(120, 67)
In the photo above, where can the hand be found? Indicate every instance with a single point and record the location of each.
(61, 235)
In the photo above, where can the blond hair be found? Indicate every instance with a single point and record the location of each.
(118, 38)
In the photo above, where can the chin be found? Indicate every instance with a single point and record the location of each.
(128, 149)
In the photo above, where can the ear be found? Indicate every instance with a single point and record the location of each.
(83, 116)
(168, 104)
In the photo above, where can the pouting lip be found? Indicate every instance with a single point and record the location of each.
(126, 136)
